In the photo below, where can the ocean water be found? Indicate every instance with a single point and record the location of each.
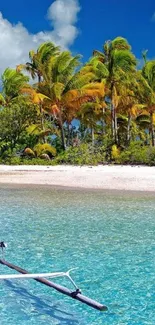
(109, 237)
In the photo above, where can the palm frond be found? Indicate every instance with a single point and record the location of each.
(13, 82)
(120, 43)
(124, 60)
(2, 99)
(31, 54)
(93, 88)
(70, 69)
(46, 50)
(34, 95)
(79, 80)
(58, 90)
(62, 61)
(149, 73)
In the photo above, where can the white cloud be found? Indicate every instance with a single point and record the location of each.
(63, 15)
(16, 41)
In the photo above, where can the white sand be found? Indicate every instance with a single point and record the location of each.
(137, 178)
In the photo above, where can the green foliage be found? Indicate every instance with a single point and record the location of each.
(14, 119)
(43, 151)
(137, 154)
(37, 64)
(114, 103)
(149, 73)
(23, 161)
(120, 43)
(44, 148)
(81, 155)
(12, 83)
(59, 70)
(115, 152)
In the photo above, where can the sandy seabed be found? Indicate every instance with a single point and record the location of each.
(126, 178)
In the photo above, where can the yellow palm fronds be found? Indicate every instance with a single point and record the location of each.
(78, 101)
(20, 67)
(36, 97)
(71, 95)
(75, 98)
(153, 118)
(52, 109)
(138, 109)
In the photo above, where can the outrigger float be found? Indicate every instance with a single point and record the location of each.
(41, 277)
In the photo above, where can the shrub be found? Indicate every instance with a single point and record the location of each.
(21, 161)
(81, 155)
(44, 148)
(137, 154)
(44, 151)
(13, 161)
(115, 152)
(151, 156)
(29, 152)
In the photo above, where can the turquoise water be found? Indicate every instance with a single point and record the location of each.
(110, 238)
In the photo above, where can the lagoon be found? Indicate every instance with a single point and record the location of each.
(108, 236)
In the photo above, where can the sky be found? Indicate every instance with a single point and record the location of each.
(78, 25)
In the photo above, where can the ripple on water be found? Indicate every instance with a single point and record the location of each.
(110, 238)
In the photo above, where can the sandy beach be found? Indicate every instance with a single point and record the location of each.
(127, 178)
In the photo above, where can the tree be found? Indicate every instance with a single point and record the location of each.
(12, 84)
(14, 120)
(38, 60)
(36, 68)
(91, 113)
(37, 99)
(148, 72)
(120, 63)
(67, 88)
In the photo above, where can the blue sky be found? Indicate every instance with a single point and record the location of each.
(88, 24)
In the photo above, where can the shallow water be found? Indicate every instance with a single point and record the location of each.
(109, 237)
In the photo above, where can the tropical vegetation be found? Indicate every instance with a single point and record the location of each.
(54, 109)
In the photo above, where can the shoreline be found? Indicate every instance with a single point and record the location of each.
(107, 192)
(107, 177)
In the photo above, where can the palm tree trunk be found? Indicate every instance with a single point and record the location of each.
(112, 122)
(113, 115)
(129, 129)
(68, 134)
(41, 117)
(41, 111)
(39, 78)
(62, 131)
(103, 126)
(92, 136)
(152, 130)
(115, 127)
(42, 120)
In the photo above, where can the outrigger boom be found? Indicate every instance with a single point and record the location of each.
(41, 277)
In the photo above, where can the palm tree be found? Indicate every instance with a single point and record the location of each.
(120, 63)
(12, 84)
(36, 99)
(38, 59)
(67, 88)
(91, 113)
(148, 72)
(36, 68)
(128, 103)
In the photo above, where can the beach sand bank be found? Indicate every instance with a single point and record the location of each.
(126, 178)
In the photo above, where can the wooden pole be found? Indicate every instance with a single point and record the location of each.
(75, 295)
